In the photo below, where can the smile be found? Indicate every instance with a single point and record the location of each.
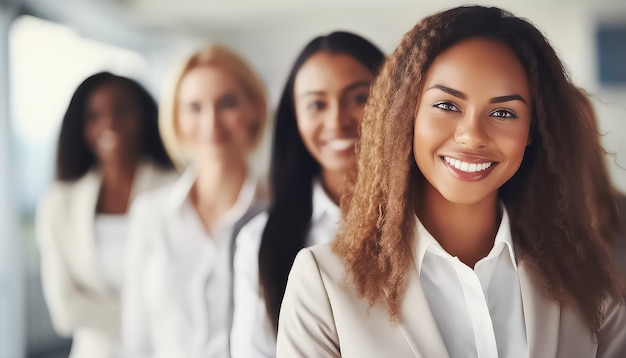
(467, 167)
(340, 144)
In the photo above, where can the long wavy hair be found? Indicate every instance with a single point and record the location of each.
(601, 187)
(547, 197)
(74, 157)
(293, 170)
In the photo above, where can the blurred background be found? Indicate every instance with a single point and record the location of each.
(48, 47)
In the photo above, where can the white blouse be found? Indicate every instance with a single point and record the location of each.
(110, 235)
(177, 297)
(252, 333)
(478, 311)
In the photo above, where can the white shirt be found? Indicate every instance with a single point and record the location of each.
(177, 298)
(110, 235)
(478, 312)
(252, 333)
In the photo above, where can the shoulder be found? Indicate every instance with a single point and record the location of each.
(320, 260)
(60, 195)
(153, 200)
(159, 175)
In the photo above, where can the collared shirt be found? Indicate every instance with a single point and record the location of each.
(478, 311)
(178, 297)
(252, 333)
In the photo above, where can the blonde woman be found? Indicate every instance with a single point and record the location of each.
(177, 300)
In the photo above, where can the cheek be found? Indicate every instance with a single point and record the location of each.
(306, 128)
(186, 126)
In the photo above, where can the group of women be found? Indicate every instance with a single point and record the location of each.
(439, 202)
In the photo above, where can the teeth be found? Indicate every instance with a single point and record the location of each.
(341, 144)
(467, 167)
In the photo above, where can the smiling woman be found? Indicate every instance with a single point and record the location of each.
(468, 231)
(317, 124)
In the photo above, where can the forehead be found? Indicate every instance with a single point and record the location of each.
(326, 71)
(479, 66)
(206, 81)
(110, 90)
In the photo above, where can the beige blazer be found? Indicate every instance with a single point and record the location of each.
(322, 316)
(80, 303)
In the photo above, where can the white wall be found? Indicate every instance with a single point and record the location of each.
(11, 273)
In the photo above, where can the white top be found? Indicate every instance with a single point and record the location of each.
(110, 235)
(252, 333)
(478, 312)
(177, 298)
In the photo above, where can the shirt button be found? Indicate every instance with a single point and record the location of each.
(482, 324)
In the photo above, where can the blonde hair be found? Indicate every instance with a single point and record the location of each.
(225, 59)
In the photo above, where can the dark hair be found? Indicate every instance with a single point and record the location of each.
(74, 157)
(547, 196)
(292, 172)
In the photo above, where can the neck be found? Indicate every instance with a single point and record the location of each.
(466, 231)
(333, 183)
(216, 190)
(115, 189)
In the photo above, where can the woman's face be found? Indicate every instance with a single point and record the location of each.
(112, 122)
(215, 116)
(472, 121)
(330, 92)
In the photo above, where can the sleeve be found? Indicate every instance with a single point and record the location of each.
(135, 319)
(70, 305)
(306, 326)
(252, 335)
(612, 336)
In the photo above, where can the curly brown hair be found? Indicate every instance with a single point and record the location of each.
(547, 197)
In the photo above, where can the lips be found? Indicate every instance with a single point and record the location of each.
(108, 140)
(340, 144)
(469, 169)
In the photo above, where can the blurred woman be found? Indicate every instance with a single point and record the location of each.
(109, 151)
(178, 299)
(317, 124)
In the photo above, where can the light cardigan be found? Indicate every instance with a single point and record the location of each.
(80, 302)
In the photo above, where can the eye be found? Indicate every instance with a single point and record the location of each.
(91, 117)
(504, 113)
(446, 106)
(316, 106)
(228, 101)
(194, 107)
(360, 98)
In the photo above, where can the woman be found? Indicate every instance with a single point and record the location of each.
(468, 232)
(177, 300)
(317, 124)
(109, 150)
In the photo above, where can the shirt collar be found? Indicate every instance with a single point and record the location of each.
(427, 243)
(180, 195)
(182, 187)
(323, 204)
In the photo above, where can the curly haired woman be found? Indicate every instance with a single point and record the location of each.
(468, 232)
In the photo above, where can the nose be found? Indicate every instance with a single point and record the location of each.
(470, 132)
(209, 121)
(339, 117)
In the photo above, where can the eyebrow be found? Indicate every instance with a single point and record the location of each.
(350, 87)
(463, 96)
